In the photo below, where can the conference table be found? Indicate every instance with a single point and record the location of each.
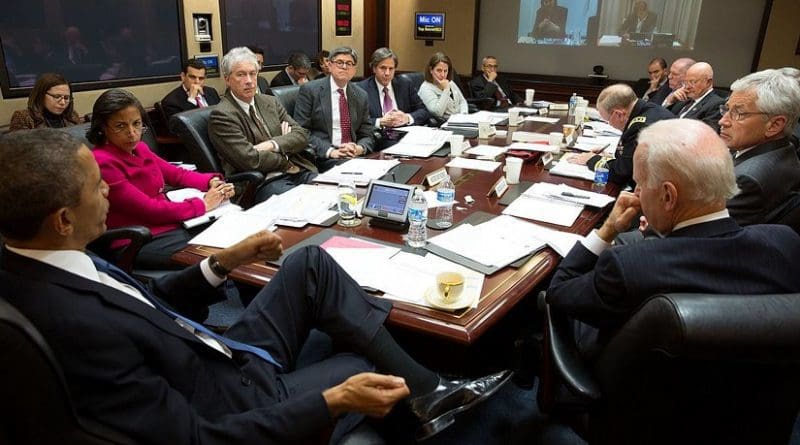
(501, 290)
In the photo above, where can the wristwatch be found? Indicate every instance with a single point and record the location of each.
(218, 269)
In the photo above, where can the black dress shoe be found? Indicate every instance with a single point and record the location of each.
(436, 410)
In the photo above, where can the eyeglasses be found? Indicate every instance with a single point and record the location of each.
(138, 127)
(59, 97)
(737, 115)
(343, 64)
(491, 66)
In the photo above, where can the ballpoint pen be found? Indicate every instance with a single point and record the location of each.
(573, 195)
(351, 173)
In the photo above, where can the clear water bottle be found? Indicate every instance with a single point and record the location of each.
(600, 174)
(445, 194)
(573, 102)
(417, 219)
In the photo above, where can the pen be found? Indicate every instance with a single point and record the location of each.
(351, 173)
(573, 195)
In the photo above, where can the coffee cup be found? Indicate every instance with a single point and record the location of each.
(456, 145)
(580, 114)
(555, 139)
(513, 117)
(449, 286)
(529, 92)
(513, 169)
(484, 130)
(568, 129)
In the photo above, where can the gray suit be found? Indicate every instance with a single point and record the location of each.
(313, 111)
(766, 175)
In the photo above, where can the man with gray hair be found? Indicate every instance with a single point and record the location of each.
(393, 101)
(254, 132)
(756, 123)
(490, 84)
(336, 112)
(619, 106)
(703, 102)
(676, 78)
(684, 176)
(295, 73)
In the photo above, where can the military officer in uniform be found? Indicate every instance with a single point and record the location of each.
(619, 106)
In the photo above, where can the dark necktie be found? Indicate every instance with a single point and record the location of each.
(344, 117)
(501, 98)
(387, 101)
(117, 274)
(262, 129)
(686, 108)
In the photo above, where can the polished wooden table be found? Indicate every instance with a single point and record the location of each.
(501, 290)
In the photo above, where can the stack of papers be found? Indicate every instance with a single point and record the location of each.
(565, 168)
(529, 136)
(486, 151)
(488, 243)
(559, 241)
(473, 164)
(299, 206)
(542, 146)
(493, 118)
(549, 120)
(180, 195)
(232, 228)
(536, 203)
(567, 193)
(419, 142)
(358, 170)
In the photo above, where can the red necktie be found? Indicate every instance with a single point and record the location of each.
(200, 101)
(344, 117)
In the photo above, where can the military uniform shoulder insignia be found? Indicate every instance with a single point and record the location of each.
(638, 120)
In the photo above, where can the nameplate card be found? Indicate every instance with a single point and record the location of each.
(547, 158)
(435, 176)
(499, 187)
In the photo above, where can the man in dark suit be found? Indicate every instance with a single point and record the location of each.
(658, 89)
(254, 132)
(684, 176)
(134, 363)
(336, 113)
(263, 85)
(192, 93)
(295, 73)
(702, 101)
(758, 119)
(550, 21)
(490, 84)
(393, 102)
(641, 21)
(677, 74)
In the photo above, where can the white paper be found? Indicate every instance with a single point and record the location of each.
(420, 142)
(529, 136)
(486, 244)
(564, 192)
(430, 197)
(570, 170)
(230, 229)
(535, 204)
(298, 206)
(490, 151)
(473, 164)
(546, 148)
(180, 195)
(549, 120)
(481, 116)
(358, 170)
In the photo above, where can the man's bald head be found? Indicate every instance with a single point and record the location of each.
(699, 79)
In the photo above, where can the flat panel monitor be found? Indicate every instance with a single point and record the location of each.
(387, 200)
(429, 26)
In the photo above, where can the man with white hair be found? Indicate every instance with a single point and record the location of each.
(254, 132)
(675, 80)
(756, 123)
(684, 175)
(703, 103)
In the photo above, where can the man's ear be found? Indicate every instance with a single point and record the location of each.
(669, 196)
(62, 221)
(776, 125)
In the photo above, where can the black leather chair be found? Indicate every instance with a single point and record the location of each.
(688, 369)
(192, 128)
(788, 214)
(287, 95)
(79, 131)
(37, 407)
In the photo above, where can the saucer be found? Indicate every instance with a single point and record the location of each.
(433, 299)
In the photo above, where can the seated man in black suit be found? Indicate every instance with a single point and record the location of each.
(658, 89)
(336, 113)
(134, 360)
(756, 124)
(703, 102)
(192, 93)
(684, 175)
(393, 101)
(550, 21)
(641, 21)
(295, 73)
(263, 85)
(490, 84)
(677, 97)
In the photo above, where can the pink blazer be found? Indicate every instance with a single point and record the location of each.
(136, 189)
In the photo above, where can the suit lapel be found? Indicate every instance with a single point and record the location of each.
(399, 95)
(761, 149)
(253, 135)
(325, 104)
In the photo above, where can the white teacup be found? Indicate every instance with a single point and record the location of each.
(529, 92)
(449, 286)
(456, 145)
(513, 169)
(555, 139)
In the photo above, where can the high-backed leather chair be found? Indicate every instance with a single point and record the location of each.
(787, 214)
(79, 131)
(287, 95)
(688, 369)
(192, 128)
(36, 407)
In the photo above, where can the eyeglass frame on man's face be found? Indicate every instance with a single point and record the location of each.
(343, 64)
(738, 116)
(60, 97)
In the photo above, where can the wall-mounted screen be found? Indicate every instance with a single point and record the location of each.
(92, 43)
(429, 26)
(279, 27)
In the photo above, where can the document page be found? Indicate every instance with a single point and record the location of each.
(473, 164)
(535, 203)
(359, 170)
(232, 228)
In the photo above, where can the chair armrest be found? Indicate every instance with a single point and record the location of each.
(483, 103)
(566, 358)
(125, 257)
(252, 177)
(252, 180)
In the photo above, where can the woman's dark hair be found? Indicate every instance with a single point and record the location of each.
(37, 98)
(108, 103)
(435, 59)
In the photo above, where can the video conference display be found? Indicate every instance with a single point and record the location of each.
(610, 23)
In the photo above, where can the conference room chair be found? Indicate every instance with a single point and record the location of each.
(685, 368)
(37, 407)
(287, 95)
(192, 128)
(789, 213)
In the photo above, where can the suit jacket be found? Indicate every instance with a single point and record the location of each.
(481, 88)
(281, 79)
(24, 120)
(312, 111)
(408, 100)
(707, 110)
(708, 257)
(133, 368)
(557, 15)
(234, 134)
(629, 25)
(177, 100)
(766, 176)
(660, 94)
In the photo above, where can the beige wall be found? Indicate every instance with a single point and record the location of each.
(459, 33)
(780, 41)
(356, 41)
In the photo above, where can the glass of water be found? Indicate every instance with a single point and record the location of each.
(347, 204)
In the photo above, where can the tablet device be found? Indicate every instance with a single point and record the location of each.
(387, 201)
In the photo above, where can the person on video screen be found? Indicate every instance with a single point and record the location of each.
(550, 21)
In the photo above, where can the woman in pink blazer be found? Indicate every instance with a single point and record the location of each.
(136, 178)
